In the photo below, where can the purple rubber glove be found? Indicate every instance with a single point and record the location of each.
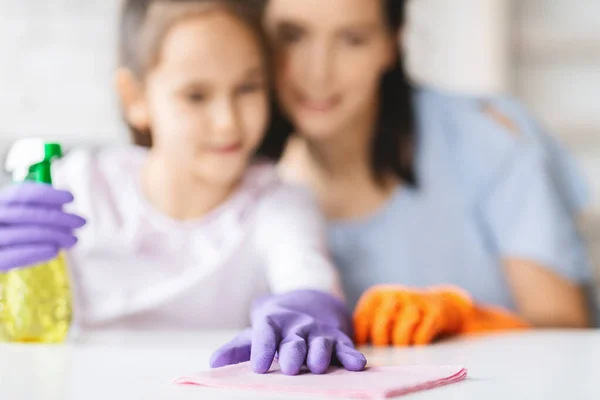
(304, 327)
(33, 227)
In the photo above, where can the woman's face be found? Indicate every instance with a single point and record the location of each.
(330, 57)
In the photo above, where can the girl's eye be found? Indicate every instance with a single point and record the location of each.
(288, 34)
(195, 97)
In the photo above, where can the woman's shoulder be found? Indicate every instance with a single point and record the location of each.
(493, 121)
(483, 136)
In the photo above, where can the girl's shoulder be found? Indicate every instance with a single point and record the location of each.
(88, 163)
(99, 177)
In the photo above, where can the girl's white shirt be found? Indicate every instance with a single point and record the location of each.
(135, 268)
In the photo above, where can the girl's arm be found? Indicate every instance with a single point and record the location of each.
(304, 321)
(292, 237)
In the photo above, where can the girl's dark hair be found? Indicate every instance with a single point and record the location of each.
(394, 142)
(145, 22)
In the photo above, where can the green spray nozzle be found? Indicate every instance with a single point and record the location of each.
(31, 160)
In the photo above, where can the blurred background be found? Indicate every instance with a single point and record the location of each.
(58, 57)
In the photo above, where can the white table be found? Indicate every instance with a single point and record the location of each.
(113, 366)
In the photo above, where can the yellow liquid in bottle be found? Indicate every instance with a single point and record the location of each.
(36, 303)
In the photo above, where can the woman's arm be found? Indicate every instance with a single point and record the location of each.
(544, 298)
(532, 209)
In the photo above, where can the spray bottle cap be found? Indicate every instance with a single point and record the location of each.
(31, 159)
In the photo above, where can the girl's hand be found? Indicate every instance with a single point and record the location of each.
(303, 327)
(33, 227)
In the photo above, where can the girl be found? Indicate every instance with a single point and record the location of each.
(422, 187)
(187, 233)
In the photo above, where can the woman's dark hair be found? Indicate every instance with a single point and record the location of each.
(394, 141)
(144, 24)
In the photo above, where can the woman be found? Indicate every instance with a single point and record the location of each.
(420, 187)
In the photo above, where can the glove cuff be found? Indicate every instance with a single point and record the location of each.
(317, 304)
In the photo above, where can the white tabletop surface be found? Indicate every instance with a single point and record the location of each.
(111, 365)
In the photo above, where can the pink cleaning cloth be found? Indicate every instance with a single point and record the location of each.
(372, 383)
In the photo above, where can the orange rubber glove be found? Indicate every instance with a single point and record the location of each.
(399, 316)
(492, 319)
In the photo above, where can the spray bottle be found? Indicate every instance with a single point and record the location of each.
(36, 300)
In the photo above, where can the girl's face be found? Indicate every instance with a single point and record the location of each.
(331, 56)
(207, 97)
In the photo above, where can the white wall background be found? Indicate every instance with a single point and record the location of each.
(459, 45)
(57, 59)
(557, 73)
